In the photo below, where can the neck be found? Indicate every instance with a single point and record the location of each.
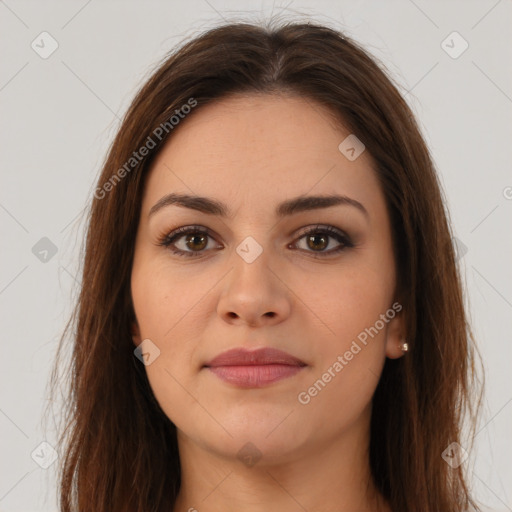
(334, 476)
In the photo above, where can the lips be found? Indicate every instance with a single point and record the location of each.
(262, 356)
(256, 368)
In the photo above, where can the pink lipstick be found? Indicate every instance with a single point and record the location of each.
(256, 368)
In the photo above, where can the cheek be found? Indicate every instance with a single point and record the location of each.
(348, 302)
(162, 301)
(163, 313)
(352, 307)
(349, 363)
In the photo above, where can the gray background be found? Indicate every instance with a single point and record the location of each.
(59, 114)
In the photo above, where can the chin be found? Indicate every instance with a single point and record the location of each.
(270, 438)
(253, 447)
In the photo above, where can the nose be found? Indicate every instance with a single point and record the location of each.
(254, 294)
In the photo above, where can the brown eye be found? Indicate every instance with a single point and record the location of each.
(191, 241)
(318, 238)
(188, 241)
(196, 242)
(317, 242)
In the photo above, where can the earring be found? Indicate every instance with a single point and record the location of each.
(404, 347)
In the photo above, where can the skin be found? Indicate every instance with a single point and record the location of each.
(251, 153)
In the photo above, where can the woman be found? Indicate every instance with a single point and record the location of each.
(271, 316)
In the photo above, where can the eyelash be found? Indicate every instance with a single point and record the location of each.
(167, 240)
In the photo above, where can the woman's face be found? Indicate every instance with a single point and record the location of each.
(252, 278)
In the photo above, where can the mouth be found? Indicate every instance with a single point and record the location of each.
(256, 368)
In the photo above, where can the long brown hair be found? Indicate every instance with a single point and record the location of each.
(119, 448)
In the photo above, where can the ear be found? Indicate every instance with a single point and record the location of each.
(396, 333)
(136, 337)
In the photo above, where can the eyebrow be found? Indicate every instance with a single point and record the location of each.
(286, 208)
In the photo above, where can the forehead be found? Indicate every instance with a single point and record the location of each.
(255, 150)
